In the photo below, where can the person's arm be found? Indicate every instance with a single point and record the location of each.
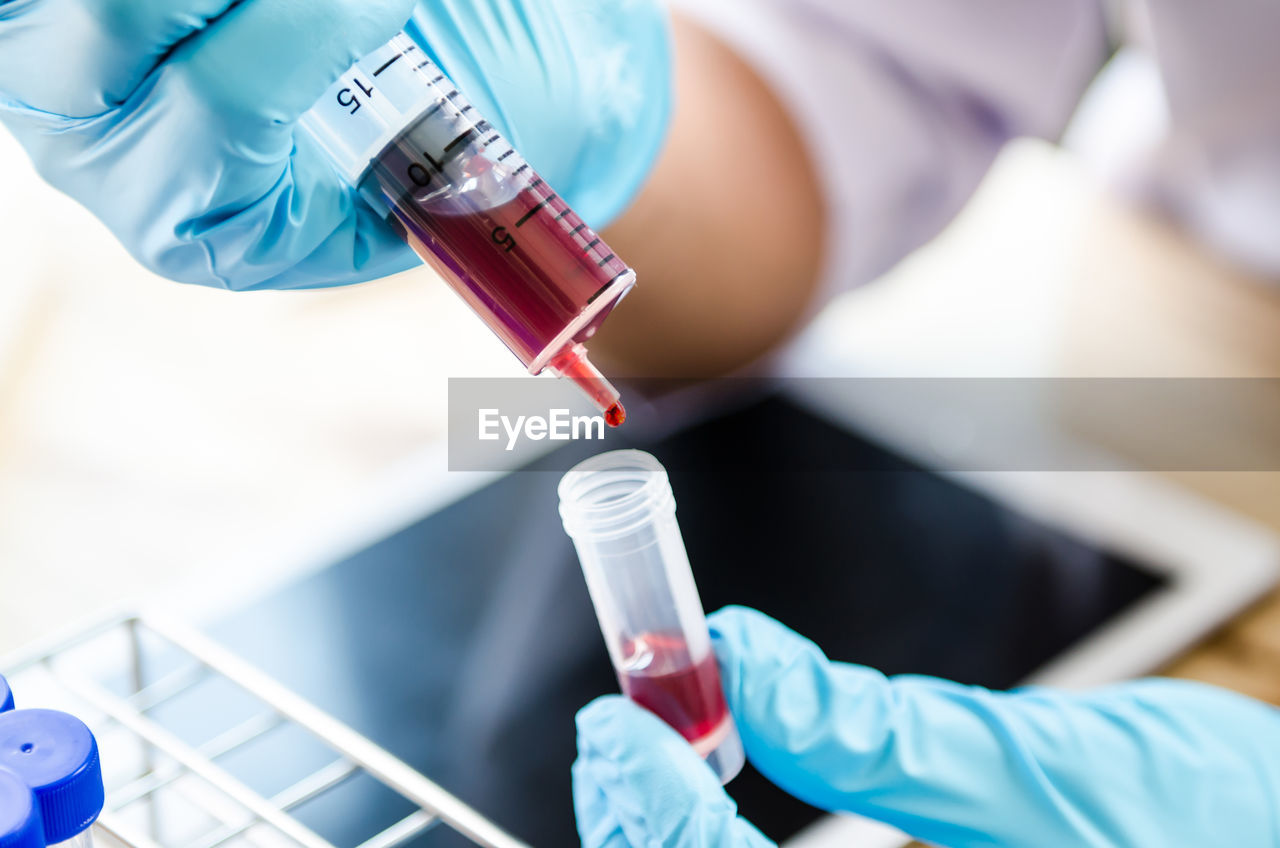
(814, 144)
(727, 235)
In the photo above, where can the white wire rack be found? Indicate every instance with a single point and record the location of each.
(179, 763)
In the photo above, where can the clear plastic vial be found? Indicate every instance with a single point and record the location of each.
(621, 514)
(56, 755)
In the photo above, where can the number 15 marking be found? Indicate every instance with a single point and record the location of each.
(349, 99)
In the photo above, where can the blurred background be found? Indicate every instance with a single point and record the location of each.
(156, 439)
(151, 433)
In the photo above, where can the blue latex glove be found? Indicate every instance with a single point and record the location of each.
(1150, 763)
(174, 120)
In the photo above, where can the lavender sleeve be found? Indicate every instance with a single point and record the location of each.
(905, 104)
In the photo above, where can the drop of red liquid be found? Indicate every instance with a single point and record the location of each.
(615, 416)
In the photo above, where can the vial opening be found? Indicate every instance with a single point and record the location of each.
(614, 493)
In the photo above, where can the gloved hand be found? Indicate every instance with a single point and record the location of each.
(1155, 762)
(174, 120)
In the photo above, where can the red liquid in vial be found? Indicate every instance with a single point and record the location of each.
(529, 266)
(684, 694)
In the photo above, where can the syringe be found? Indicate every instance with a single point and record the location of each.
(466, 202)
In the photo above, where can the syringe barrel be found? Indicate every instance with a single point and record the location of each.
(398, 129)
(620, 512)
(370, 104)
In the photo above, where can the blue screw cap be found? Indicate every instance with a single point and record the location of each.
(19, 816)
(57, 756)
(6, 695)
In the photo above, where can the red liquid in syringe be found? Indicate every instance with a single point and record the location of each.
(660, 676)
(504, 240)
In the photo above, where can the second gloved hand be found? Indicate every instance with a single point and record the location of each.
(174, 121)
(1155, 762)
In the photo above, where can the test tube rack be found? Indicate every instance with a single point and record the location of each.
(123, 677)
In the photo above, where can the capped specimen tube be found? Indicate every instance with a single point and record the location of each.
(57, 757)
(620, 512)
(20, 825)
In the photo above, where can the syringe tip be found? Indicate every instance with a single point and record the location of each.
(615, 416)
(572, 364)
